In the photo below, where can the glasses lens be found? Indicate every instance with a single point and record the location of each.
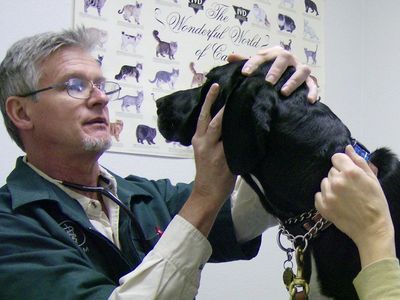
(78, 88)
(111, 89)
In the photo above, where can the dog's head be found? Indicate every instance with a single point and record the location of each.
(264, 133)
(249, 106)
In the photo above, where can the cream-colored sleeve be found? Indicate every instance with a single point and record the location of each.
(379, 281)
(250, 219)
(172, 269)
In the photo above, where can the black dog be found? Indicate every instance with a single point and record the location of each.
(286, 145)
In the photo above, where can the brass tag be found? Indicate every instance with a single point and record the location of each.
(288, 277)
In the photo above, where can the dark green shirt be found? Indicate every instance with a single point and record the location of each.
(50, 250)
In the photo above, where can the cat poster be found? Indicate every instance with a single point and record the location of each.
(155, 47)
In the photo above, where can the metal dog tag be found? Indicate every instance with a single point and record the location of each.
(288, 277)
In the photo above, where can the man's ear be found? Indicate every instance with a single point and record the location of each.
(17, 109)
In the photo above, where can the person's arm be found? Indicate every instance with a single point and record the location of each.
(213, 181)
(250, 218)
(172, 269)
(352, 198)
(379, 280)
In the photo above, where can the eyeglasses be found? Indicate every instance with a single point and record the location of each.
(79, 88)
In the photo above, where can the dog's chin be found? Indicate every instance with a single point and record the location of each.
(167, 121)
(171, 129)
(167, 129)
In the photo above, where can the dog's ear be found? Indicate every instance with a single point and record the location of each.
(246, 124)
(227, 76)
(179, 111)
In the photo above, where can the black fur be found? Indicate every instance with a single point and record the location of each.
(287, 144)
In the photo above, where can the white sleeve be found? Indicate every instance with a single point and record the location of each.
(250, 218)
(172, 269)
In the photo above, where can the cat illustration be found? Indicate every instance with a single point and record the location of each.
(129, 100)
(128, 39)
(131, 10)
(311, 55)
(116, 129)
(310, 5)
(165, 48)
(100, 36)
(164, 77)
(260, 15)
(287, 2)
(287, 46)
(309, 31)
(98, 4)
(286, 23)
(145, 133)
(133, 71)
(198, 78)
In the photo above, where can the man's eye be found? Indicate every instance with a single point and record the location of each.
(77, 85)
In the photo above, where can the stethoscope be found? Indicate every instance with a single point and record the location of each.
(144, 244)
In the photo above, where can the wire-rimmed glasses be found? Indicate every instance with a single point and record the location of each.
(80, 88)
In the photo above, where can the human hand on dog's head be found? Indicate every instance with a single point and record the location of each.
(352, 198)
(283, 59)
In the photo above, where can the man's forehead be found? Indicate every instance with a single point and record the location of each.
(70, 61)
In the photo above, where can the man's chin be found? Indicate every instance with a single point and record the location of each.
(97, 144)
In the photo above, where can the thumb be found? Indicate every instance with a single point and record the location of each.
(358, 160)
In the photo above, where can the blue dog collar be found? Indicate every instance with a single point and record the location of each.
(360, 149)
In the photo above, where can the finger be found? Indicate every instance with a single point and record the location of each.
(320, 197)
(271, 51)
(252, 64)
(358, 160)
(215, 127)
(342, 162)
(333, 172)
(325, 186)
(319, 203)
(312, 95)
(205, 116)
(262, 56)
(235, 57)
(299, 76)
(281, 63)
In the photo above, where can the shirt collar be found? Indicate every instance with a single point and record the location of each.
(108, 181)
(27, 186)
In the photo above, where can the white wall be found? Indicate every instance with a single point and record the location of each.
(362, 58)
(361, 87)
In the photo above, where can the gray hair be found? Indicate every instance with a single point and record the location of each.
(20, 70)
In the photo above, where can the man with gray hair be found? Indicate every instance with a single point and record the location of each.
(69, 228)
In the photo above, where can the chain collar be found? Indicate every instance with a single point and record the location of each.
(310, 223)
